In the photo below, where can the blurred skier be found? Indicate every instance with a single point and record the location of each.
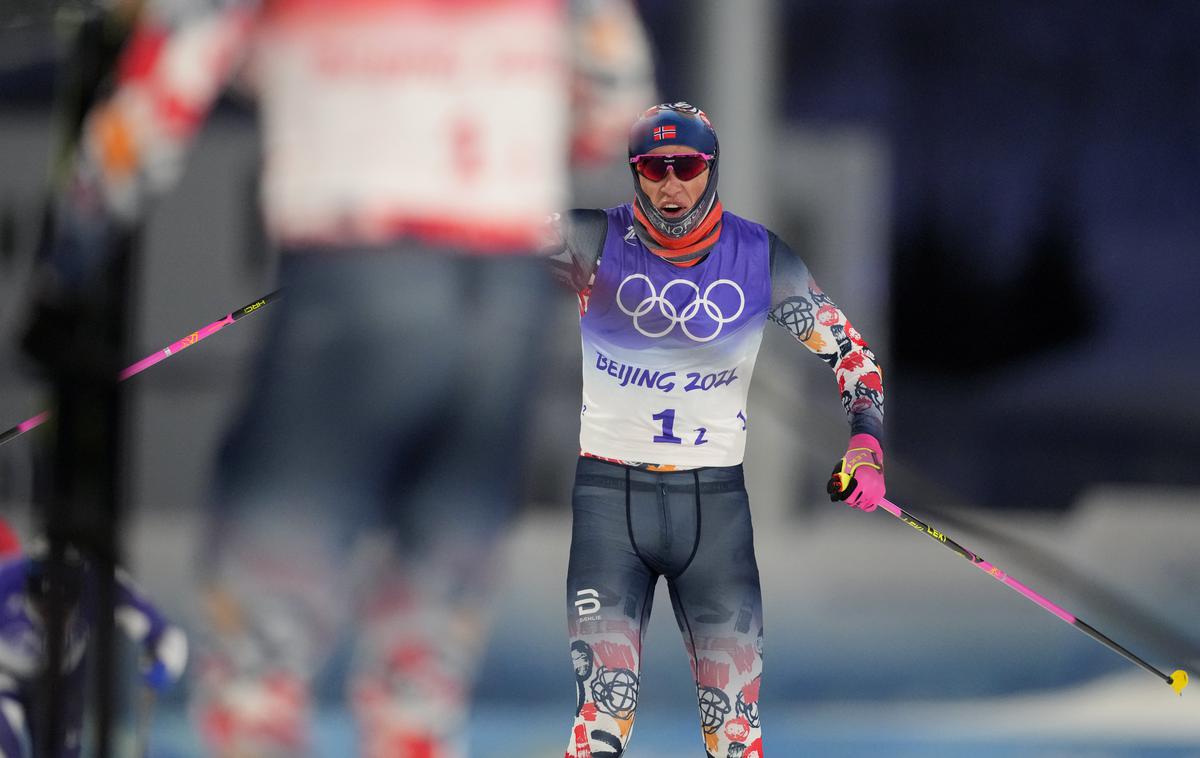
(674, 293)
(412, 151)
(27, 587)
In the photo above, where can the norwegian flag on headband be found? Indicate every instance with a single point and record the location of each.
(664, 132)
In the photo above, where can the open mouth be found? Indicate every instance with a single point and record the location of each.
(671, 210)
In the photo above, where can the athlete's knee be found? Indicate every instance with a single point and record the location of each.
(607, 682)
(595, 740)
(410, 700)
(262, 715)
(399, 717)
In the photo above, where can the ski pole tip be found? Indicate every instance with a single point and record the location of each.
(1178, 680)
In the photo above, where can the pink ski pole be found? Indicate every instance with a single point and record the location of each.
(153, 358)
(1178, 679)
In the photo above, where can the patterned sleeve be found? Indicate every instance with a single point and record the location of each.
(801, 307)
(572, 245)
(612, 77)
(178, 58)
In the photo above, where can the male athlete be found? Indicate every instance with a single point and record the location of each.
(412, 150)
(674, 292)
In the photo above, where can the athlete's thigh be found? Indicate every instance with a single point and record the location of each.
(607, 580)
(459, 473)
(345, 365)
(609, 594)
(355, 352)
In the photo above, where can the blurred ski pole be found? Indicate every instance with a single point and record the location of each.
(155, 357)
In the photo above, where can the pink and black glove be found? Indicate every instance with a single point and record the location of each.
(858, 476)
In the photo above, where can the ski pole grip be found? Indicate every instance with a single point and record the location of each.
(840, 485)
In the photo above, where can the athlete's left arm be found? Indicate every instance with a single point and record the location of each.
(612, 77)
(801, 307)
(163, 643)
(177, 60)
(131, 146)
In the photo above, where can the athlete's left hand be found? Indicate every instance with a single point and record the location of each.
(65, 324)
(858, 476)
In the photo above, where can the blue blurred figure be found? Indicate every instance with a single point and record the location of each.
(28, 587)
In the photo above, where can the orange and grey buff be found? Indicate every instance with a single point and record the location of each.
(685, 251)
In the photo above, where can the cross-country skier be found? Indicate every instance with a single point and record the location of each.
(674, 293)
(412, 150)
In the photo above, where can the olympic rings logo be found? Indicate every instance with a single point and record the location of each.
(681, 317)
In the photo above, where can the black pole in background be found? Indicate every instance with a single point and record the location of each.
(80, 337)
(82, 504)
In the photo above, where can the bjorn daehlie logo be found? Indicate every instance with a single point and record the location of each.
(587, 602)
(657, 301)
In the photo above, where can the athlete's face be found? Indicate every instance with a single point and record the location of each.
(672, 196)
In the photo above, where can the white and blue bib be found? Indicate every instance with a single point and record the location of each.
(668, 352)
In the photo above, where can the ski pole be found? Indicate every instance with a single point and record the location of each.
(1178, 679)
(155, 357)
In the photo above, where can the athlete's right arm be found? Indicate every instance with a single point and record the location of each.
(572, 245)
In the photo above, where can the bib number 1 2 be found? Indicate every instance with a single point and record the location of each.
(667, 419)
